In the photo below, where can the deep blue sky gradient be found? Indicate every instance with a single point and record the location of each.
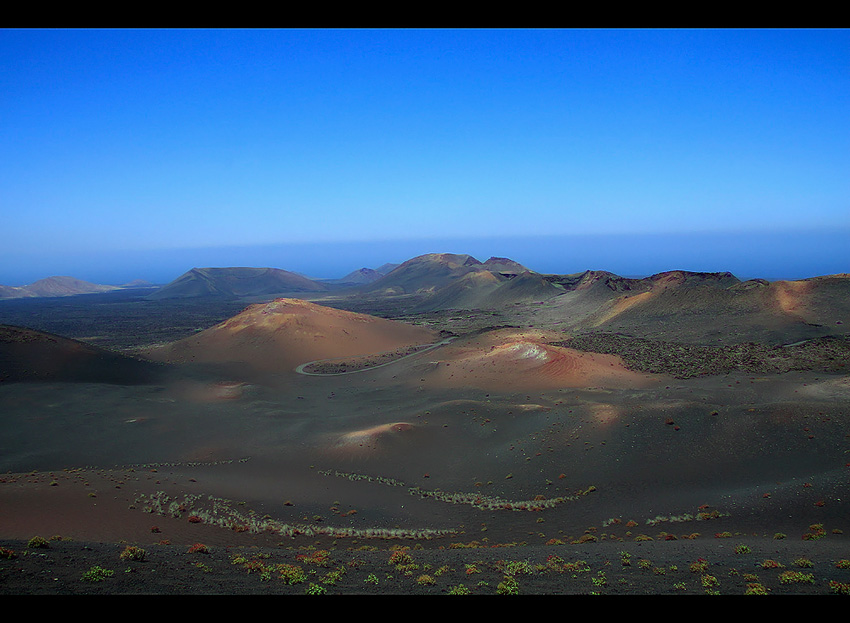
(140, 153)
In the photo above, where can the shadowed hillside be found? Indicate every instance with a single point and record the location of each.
(29, 355)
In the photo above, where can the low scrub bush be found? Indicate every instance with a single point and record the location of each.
(97, 574)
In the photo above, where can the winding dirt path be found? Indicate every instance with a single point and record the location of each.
(301, 368)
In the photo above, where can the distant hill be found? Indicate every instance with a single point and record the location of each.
(386, 269)
(432, 271)
(15, 292)
(138, 283)
(489, 290)
(714, 308)
(505, 265)
(236, 282)
(55, 286)
(362, 276)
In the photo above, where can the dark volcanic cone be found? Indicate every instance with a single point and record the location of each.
(30, 355)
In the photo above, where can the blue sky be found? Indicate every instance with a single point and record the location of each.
(141, 153)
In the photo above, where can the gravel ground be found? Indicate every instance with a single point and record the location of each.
(826, 354)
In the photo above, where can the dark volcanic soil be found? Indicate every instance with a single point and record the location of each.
(722, 453)
(739, 566)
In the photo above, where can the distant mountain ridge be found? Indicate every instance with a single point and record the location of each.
(362, 276)
(432, 271)
(236, 282)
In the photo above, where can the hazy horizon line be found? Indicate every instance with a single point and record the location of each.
(747, 255)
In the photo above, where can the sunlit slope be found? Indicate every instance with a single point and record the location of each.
(518, 360)
(433, 271)
(279, 335)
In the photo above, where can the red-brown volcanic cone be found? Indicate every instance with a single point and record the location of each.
(508, 360)
(277, 336)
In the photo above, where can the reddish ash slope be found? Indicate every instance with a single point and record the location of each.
(277, 336)
(516, 360)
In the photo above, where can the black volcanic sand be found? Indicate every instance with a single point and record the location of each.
(698, 465)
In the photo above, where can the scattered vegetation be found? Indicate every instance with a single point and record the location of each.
(816, 532)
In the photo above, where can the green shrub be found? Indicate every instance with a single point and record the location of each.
(460, 589)
(291, 574)
(97, 574)
(131, 552)
(508, 586)
(38, 542)
(755, 588)
(839, 588)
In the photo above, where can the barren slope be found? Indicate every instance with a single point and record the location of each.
(30, 355)
(517, 360)
(277, 336)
